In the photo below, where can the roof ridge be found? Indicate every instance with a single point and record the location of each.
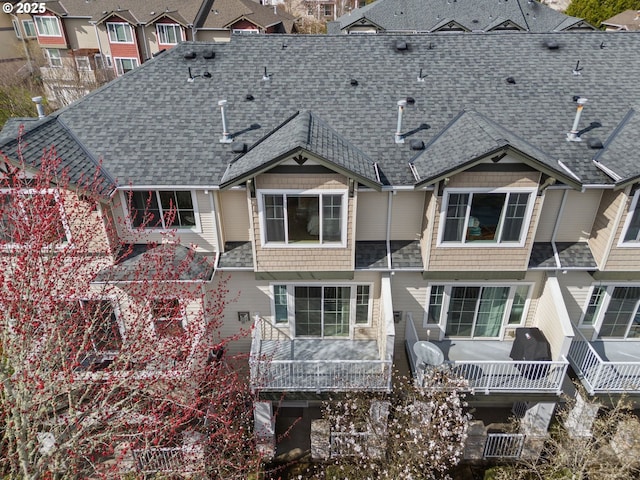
(616, 131)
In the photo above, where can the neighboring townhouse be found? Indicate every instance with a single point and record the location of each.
(394, 200)
(416, 16)
(17, 35)
(87, 43)
(629, 20)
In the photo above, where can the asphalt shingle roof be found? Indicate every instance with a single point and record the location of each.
(153, 127)
(224, 13)
(571, 255)
(472, 15)
(622, 141)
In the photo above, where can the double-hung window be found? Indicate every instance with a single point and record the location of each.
(16, 28)
(169, 33)
(48, 26)
(29, 28)
(303, 219)
(32, 217)
(322, 310)
(631, 235)
(163, 209)
(476, 311)
(53, 57)
(100, 317)
(120, 32)
(83, 63)
(484, 217)
(124, 65)
(613, 311)
(168, 317)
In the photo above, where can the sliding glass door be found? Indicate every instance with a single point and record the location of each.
(476, 311)
(322, 311)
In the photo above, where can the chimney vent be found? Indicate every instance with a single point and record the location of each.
(552, 45)
(595, 143)
(39, 106)
(237, 147)
(416, 145)
(190, 55)
(226, 136)
(401, 45)
(209, 54)
(399, 138)
(572, 136)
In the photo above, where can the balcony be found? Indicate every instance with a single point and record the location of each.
(281, 363)
(487, 367)
(606, 366)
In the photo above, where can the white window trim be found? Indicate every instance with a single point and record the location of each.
(630, 212)
(116, 64)
(40, 34)
(245, 31)
(174, 25)
(124, 199)
(526, 223)
(63, 218)
(446, 298)
(343, 221)
(83, 69)
(112, 40)
(604, 306)
(16, 28)
(49, 57)
(183, 313)
(291, 323)
(24, 28)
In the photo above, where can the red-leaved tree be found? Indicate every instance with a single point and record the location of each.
(112, 361)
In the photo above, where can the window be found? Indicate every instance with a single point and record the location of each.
(124, 65)
(105, 332)
(53, 57)
(486, 217)
(322, 311)
(16, 212)
(245, 31)
(103, 61)
(162, 209)
(120, 33)
(16, 28)
(169, 33)
(48, 26)
(632, 225)
(29, 28)
(303, 219)
(82, 63)
(168, 317)
(280, 303)
(476, 310)
(327, 9)
(614, 312)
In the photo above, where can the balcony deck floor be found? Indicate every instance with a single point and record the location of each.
(475, 350)
(617, 350)
(322, 349)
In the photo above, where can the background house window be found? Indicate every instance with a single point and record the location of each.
(169, 33)
(105, 332)
(82, 63)
(303, 218)
(632, 233)
(120, 33)
(16, 212)
(124, 65)
(53, 57)
(103, 61)
(327, 9)
(29, 28)
(168, 317)
(16, 28)
(489, 217)
(48, 26)
(162, 209)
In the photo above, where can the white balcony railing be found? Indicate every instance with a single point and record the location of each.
(271, 373)
(601, 376)
(496, 375)
(504, 445)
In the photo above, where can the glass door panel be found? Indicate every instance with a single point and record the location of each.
(491, 311)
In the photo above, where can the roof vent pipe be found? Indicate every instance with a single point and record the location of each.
(39, 106)
(401, 106)
(572, 136)
(226, 136)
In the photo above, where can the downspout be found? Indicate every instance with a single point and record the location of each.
(215, 210)
(388, 239)
(555, 229)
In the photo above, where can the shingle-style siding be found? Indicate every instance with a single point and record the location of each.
(206, 240)
(371, 217)
(406, 215)
(85, 223)
(281, 259)
(552, 199)
(429, 216)
(234, 209)
(622, 258)
(490, 258)
(575, 287)
(603, 225)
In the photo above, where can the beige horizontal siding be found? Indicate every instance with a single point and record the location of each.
(406, 215)
(551, 207)
(578, 215)
(234, 209)
(371, 218)
(603, 225)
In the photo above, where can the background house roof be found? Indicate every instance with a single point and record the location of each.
(627, 20)
(473, 15)
(154, 127)
(224, 13)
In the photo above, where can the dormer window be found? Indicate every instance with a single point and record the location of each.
(161, 210)
(120, 32)
(484, 217)
(303, 218)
